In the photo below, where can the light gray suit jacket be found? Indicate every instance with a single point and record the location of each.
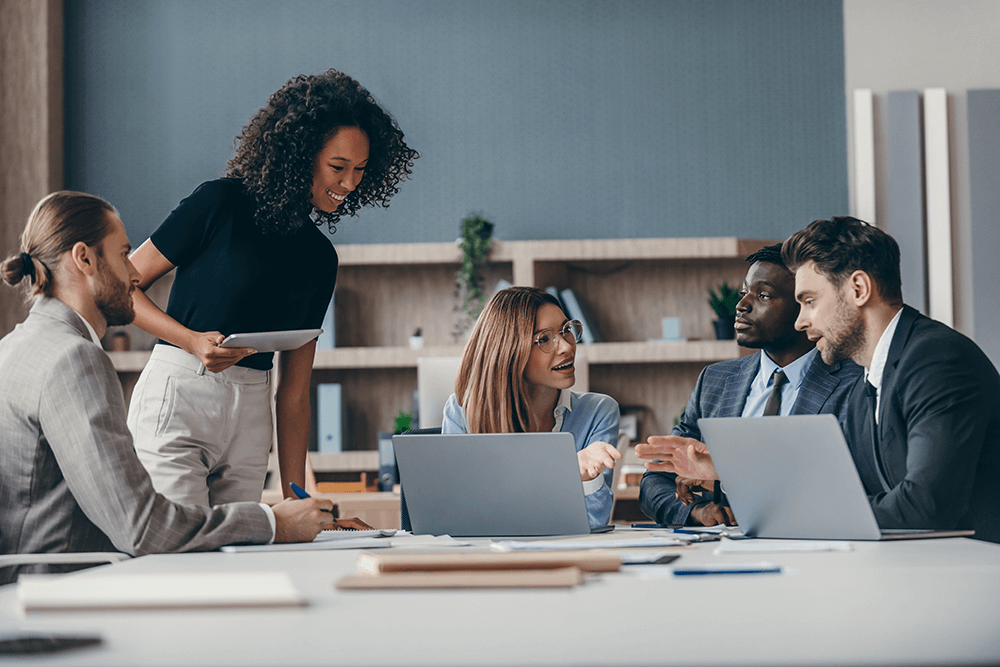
(69, 476)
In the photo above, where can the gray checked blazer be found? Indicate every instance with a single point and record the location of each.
(722, 391)
(69, 476)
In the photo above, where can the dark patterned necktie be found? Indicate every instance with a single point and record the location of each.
(773, 405)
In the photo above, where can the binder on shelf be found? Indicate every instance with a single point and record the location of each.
(501, 285)
(576, 310)
(329, 418)
(388, 473)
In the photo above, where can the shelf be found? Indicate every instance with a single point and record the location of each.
(724, 247)
(386, 292)
(380, 357)
(359, 461)
(526, 256)
(707, 351)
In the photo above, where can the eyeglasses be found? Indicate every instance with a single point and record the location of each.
(571, 333)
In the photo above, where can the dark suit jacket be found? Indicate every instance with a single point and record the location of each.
(722, 391)
(939, 432)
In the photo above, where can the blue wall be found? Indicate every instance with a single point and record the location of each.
(553, 118)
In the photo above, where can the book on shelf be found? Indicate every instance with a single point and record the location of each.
(501, 285)
(577, 310)
(388, 472)
(554, 292)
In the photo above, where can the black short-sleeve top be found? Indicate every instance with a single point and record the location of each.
(233, 278)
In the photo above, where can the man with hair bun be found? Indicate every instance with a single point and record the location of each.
(70, 480)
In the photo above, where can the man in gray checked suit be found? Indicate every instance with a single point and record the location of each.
(787, 377)
(70, 480)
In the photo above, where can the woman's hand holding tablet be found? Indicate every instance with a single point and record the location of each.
(271, 341)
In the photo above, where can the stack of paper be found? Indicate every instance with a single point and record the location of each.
(56, 592)
(478, 570)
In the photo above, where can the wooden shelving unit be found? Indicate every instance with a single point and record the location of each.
(386, 291)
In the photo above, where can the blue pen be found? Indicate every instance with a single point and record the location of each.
(761, 568)
(301, 493)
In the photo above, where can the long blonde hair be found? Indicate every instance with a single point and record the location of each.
(490, 386)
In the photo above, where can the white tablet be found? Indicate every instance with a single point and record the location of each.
(272, 341)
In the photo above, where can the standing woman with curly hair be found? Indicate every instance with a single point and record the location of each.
(250, 257)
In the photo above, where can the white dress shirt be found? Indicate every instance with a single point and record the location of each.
(874, 373)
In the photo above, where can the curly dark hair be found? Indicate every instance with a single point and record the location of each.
(770, 254)
(276, 150)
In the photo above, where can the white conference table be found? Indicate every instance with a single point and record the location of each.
(926, 602)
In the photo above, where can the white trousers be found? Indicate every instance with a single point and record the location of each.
(204, 437)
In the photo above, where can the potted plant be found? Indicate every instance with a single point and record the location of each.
(476, 241)
(724, 303)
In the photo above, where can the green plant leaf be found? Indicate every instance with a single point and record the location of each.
(477, 239)
(401, 423)
(724, 301)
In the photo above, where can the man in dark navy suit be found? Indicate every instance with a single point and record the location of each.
(786, 377)
(924, 421)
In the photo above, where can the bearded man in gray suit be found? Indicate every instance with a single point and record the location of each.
(70, 480)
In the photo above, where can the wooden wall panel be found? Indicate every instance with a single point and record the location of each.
(31, 134)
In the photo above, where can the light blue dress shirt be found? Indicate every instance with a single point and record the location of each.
(760, 388)
(590, 418)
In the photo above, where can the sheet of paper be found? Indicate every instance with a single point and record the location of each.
(628, 543)
(405, 539)
(316, 545)
(778, 546)
(355, 534)
(56, 592)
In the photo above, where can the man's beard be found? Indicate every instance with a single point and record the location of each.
(113, 297)
(848, 336)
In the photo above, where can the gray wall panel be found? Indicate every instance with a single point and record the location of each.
(554, 118)
(984, 200)
(905, 218)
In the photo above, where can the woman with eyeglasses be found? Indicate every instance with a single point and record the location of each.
(515, 377)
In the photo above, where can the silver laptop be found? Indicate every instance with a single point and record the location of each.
(794, 477)
(497, 484)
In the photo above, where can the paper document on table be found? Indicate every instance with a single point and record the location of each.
(631, 543)
(405, 539)
(57, 592)
(315, 545)
(354, 534)
(778, 546)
